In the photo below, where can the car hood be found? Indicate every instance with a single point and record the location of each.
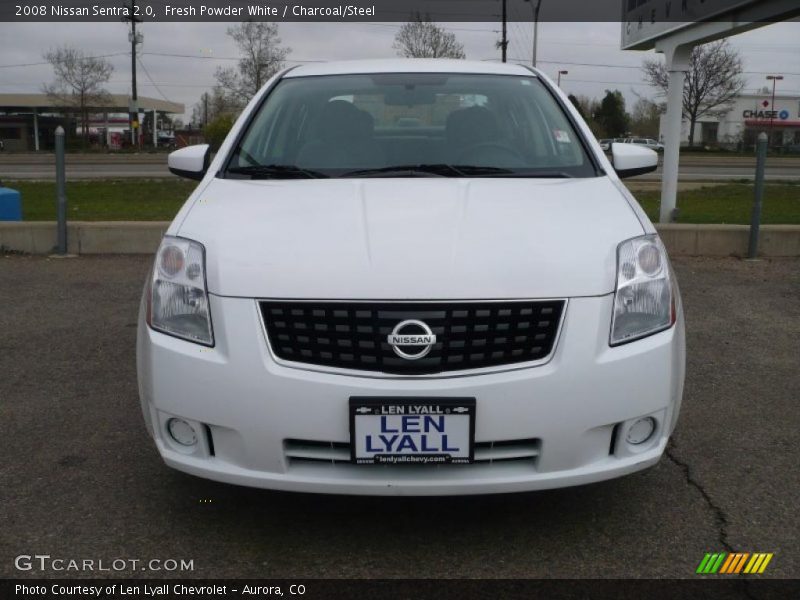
(411, 238)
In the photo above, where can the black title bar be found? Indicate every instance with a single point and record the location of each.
(633, 11)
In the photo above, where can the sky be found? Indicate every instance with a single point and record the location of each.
(773, 48)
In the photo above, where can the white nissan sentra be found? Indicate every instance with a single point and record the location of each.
(411, 277)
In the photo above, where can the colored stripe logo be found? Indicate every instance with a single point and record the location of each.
(734, 563)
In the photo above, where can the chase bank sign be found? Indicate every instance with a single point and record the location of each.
(766, 114)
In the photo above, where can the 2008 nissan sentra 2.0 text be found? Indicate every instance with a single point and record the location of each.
(411, 277)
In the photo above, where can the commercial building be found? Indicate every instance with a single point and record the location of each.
(749, 115)
(28, 121)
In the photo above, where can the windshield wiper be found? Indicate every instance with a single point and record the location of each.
(446, 170)
(477, 171)
(433, 170)
(276, 172)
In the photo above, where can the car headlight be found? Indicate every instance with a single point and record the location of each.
(644, 301)
(178, 296)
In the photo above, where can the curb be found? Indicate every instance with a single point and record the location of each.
(83, 237)
(143, 237)
(729, 240)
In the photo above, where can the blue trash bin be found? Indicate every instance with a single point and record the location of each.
(10, 205)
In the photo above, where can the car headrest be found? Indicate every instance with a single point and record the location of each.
(471, 125)
(340, 121)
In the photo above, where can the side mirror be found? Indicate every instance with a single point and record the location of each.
(190, 162)
(632, 159)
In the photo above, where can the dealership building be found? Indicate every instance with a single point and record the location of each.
(748, 115)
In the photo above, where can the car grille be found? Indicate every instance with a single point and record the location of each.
(471, 335)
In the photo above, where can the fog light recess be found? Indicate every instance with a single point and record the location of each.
(641, 431)
(181, 432)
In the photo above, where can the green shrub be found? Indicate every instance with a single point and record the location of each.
(216, 130)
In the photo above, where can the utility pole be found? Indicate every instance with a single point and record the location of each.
(535, 5)
(774, 79)
(134, 38)
(504, 41)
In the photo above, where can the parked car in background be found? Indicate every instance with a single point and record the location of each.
(647, 142)
(465, 302)
(165, 140)
(605, 143)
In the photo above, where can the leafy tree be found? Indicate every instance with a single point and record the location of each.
(422, 38)
(611, 115)
(577, 104)
(588, 108)
(78, 85)
(217, 129)
(712, 83)
(261, 57)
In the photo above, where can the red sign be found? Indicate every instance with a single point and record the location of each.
(777, 123)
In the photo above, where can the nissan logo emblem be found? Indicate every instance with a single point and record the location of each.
(408, 336)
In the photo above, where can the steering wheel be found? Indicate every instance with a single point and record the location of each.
(491, 154)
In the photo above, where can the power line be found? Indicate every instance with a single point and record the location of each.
(583, 64)
(147, 73)
(522, 35)
(200, 57)
(522, 29)
(36, 64)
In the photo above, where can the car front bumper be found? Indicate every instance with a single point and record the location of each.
(253, 414)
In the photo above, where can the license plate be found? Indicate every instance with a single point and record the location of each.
(412, 430)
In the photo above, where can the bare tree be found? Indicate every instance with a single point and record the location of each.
(78, 85)
(712, 83)
(645, 117)
(261, 57)
(422, 38)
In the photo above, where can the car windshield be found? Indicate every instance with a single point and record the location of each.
(408, 125)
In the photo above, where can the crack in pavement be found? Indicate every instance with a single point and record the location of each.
(719, 514)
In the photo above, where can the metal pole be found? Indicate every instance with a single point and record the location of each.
(772, 109)
(535, 30)
(677, 66)
(61, 196)
(134, 95)
(133, 108)
(36, 128)
(755, 218)
(504, 42)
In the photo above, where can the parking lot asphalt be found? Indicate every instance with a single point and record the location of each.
(81, 479)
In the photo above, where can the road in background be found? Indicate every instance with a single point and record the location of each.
(108, 166)
(81, 478)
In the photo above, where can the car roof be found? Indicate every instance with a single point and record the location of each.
(408, 65)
